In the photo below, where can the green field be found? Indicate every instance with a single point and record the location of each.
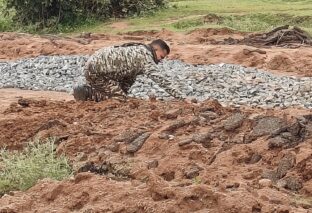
(243, 15)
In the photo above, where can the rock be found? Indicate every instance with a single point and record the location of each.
(91, 167)
(128, 136)
(238, 138)
(276, 142)
(209, 115)
(152, 164)
(267, 126)
(171, 137)
(203, 138)
(175, 125)
(192, 172)
(294, 128)
(293, 183)
(255, 158)
(23, 102)
(281, 183)
(185, 142)
(168, 176)
(163, 135)
(234, 122)
(265, 183)
(138, 143)
(232, 185)
(287, 136)
(271, 175)
(114, 147)
(172, 114)
(287, 162)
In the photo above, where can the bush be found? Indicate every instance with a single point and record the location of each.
(123, 8)
(21, 170)
(52, 13)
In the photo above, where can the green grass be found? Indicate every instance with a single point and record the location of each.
(21, 170)
(244, 15)
(186, 15)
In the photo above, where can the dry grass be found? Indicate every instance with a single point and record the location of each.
(21, 170)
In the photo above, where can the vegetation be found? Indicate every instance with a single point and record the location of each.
(246, 23)
(54, 15)
(21, 170)
(179, 15)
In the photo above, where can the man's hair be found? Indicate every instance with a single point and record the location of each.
(163, 45)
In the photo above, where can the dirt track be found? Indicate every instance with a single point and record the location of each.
(198, 158)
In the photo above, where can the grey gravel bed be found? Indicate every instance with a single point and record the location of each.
(229, 84)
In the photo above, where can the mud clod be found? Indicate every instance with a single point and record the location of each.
(168, 176)
(267, 126)
(23, 102)
(287, 162)
(185, 142)
(209, 115)
(152, 164)
(114, 147)
(233, 122)
(128, 136)
(277, 142)
(175, 125)
(138, 143)
(192, 172)
(255, 158)
(293, 183)
(265, 182)
(172, 114)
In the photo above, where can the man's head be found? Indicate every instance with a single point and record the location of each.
(161, 49)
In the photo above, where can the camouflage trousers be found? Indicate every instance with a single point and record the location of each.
(102, 87)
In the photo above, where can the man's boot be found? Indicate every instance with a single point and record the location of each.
(83, 93)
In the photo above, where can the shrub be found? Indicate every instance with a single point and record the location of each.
(51, 13)
(21, 170)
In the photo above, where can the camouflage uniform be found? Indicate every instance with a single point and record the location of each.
(112, 71)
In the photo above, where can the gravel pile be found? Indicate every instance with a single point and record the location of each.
(230, 84)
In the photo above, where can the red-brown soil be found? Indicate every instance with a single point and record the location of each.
(221, 170)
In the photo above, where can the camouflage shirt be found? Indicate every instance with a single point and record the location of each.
(124, 64)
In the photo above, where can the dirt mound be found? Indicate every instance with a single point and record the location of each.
(281, 36)
(152, 156)
(280, 62)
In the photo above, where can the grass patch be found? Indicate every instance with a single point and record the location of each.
(188, 24)
(244, 23)
(244, 15)
(263, 22)
(21, 170)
